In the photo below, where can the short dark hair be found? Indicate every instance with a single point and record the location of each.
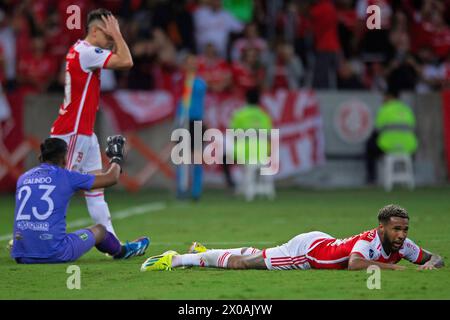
(53, 150)
(391, 210)
(96, 14)
(252, 96)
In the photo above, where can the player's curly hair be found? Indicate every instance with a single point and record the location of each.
(96, 14)
(391, 210)
(52, 150)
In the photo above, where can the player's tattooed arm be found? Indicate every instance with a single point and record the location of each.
(356, 262)
(121, 58)
(430, 261)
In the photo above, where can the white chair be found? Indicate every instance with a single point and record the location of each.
(253, 183)
(391, 173)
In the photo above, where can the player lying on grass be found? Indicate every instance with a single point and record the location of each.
(42, 198)
(383, 246)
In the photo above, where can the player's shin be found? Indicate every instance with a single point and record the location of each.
(98, 209)
(110, 245)
(211, 258)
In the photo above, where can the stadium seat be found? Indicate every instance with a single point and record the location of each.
(393, 175)
(253, 183)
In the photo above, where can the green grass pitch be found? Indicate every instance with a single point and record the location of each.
(221, 220)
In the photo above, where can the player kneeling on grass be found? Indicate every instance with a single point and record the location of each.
(383, 246)
(42, 197)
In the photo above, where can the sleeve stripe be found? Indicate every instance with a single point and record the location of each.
(107, 59)
(419, 258)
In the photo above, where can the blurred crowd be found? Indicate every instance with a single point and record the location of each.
(240, 44)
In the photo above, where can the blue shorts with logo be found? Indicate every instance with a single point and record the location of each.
(73, 247)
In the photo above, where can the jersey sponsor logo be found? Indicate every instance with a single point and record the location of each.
(98, 50)
(38, 180)
(33, 226)
(46, 236)
(411, 246)
(371, 253)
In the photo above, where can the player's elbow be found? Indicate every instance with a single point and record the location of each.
(128, 63)
(355, 264)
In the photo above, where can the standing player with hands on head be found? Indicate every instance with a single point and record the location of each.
(42, 197)
(76, 119)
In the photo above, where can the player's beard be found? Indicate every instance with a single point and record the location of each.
(390, 244)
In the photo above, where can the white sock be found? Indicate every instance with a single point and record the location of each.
(98, 209)
(210, 258)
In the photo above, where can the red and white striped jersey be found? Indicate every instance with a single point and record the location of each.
(82, 89)
(335, 253)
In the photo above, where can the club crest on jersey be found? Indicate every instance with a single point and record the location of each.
(83, 236)
(98, 50)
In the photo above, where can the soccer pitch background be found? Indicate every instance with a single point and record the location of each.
(220, 220)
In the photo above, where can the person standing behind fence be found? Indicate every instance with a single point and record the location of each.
(191, 99)
(394, 132)
(251, 116)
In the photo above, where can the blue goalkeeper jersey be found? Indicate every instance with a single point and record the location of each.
(42, 197)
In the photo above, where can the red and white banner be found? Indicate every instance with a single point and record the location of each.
(295, 113)
(133, 110)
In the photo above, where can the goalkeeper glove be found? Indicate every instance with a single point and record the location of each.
(115, 148)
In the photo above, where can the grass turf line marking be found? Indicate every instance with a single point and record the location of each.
(120, 215)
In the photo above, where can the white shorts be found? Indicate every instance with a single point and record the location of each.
(83, 152)
(292, 255)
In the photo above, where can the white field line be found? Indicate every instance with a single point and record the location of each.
(120, 215)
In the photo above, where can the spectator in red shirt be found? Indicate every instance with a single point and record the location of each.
(249, 72)
(214, 70)
(326, 42)
(440, 39)
(38, 69)
(57, 41)
(85, 6)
